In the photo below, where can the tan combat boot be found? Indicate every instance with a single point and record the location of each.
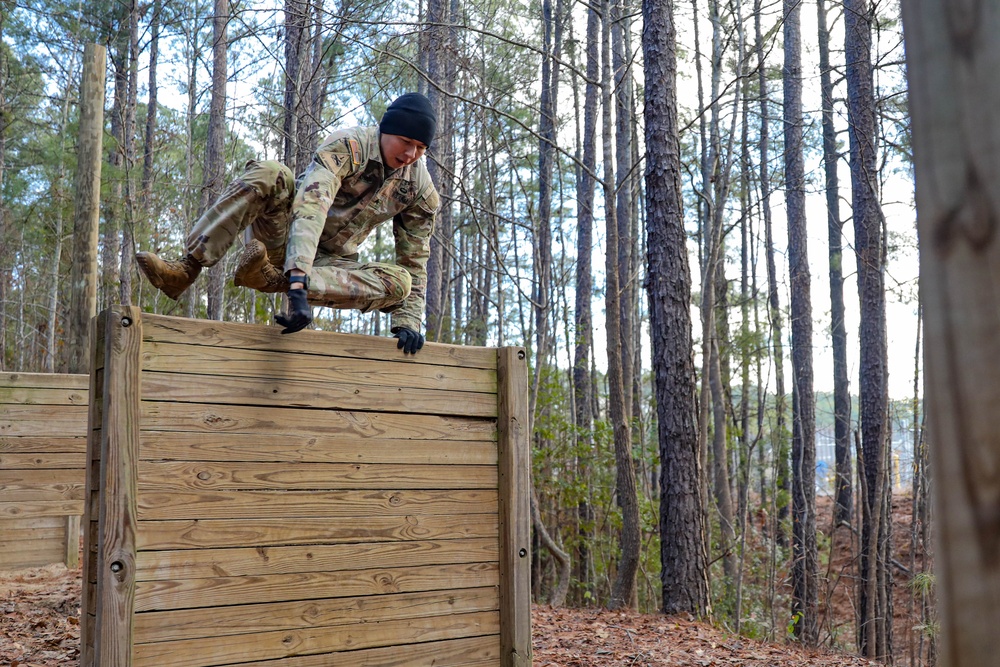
(170, 277)
(256, 272)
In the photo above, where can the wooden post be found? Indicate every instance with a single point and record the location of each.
(83, 274)
(515, 527)
(114, 561)
(952, 61)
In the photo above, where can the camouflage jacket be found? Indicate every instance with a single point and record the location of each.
(345, 193)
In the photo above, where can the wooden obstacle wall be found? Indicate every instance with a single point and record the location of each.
(43, 454)
(309, 500)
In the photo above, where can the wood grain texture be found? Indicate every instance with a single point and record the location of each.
(222, 533)
(207, 475)
(481, 651)
(253, 420)
(158, 626)
(115, 595)
(300, 448)
(221, 591)
(254, 561)
(294, 392)
(319, 343)
(74, 382)
(278, 645)
(952, 62)
(182, 504)
(251, 363)
(515, 529)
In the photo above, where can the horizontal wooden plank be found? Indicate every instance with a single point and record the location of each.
(41, 397)
(312, 449)
(183, 504)
(157, 416)
(211, 475)
(481, 651)
(295, 392)
(159, 626)
(44, 445)
(75, 381)
(39, 555)
(40, 461)
(221, 591)
(277, 645)
(26, 508)
(29, 523)
(313, 367)
(40, 420)
(247, 561)
(58, 484)
(221, 533)
(239, 336)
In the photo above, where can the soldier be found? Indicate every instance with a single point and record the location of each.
(358, 179)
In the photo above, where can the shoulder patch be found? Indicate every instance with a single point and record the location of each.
(355, 150)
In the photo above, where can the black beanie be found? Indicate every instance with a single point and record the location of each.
(410, 115)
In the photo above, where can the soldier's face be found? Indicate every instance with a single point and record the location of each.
(399, 151)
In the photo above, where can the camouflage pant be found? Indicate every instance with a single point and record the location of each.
(258, 204)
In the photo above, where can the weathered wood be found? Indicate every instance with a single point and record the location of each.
(42, 461)
(38, 508)
(469, 652)
(311, 500)
(277, 645)
(952, 62)
(234, 362)
(270, 421)
(257, 561)
(87, 204)
(57, 396)
(71, 541)
(218, 591)
(206, 475)
(25, 420)
(46, 445)
(92, 503)
(72, 382)
(158, 626)
(55, 484)
(294, 392)
(304, 448)
(119, 454)
(515, 534)
(181, 504)
(219, 533)
(351, 346)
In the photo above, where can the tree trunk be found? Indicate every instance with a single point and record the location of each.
(149, 147)
(838, 329)
(804, 557)
(215, 164)
(684, 562)
(869, 241)
(129, 208)
(437, 67)
(623, 588)
(779, 438)
(295, 29)
(583, 317)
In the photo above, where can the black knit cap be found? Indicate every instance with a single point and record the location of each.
(410, 115)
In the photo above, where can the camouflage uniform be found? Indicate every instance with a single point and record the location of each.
(317, 224)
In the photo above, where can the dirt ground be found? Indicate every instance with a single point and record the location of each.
(39, 625)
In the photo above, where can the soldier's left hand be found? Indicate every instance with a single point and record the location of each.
(409, 340)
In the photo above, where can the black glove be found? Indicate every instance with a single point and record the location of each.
(409, 340)
(299, 312)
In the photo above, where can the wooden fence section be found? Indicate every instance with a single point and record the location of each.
(303, 501)
(43, 454)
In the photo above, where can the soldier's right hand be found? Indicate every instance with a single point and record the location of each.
(299, 313)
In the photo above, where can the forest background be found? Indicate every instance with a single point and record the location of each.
(786, 134)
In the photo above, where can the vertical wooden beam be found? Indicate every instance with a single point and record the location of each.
(90, 497)
(83, 273)
(72, 546)
(952, 60)
(515, 527)
(119, 451)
